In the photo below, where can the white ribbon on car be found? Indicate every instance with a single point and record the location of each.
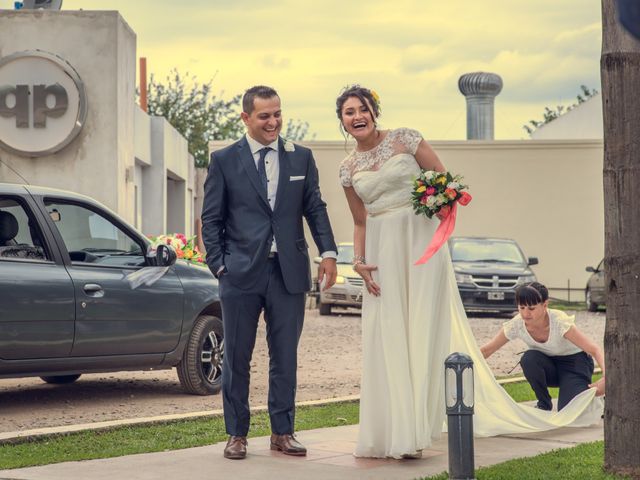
(145, 276)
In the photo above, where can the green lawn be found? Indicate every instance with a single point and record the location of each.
(563, 305)
(159, 437)
(583, 462)
(188, 433)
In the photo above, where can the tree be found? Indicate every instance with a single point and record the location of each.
(195, 112)
(550, 114)
(620, 70)
(201, 116)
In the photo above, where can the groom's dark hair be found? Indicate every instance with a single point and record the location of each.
(531, 294)
(260, 91)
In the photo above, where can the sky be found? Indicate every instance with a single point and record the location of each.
(411, 52)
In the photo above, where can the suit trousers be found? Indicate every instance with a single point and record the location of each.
(571, 373)
(284, 317)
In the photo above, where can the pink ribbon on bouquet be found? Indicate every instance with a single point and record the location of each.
(445, 229)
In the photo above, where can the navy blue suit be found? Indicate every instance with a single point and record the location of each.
(238, 228)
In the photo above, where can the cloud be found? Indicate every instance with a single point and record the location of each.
(412, 53)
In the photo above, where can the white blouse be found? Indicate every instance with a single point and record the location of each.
(556, 344)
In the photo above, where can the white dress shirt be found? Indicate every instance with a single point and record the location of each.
(272, 168)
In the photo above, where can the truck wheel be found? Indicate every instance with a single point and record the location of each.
(324, 308)
(60, 379)
(592, 307)
(200, 370)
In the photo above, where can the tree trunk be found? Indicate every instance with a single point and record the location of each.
(620, 70)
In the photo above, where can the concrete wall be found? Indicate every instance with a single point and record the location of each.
(547, 195)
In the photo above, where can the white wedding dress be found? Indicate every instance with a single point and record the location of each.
(418, 320)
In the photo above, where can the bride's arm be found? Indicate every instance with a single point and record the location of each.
(361, 266)
(427, 158)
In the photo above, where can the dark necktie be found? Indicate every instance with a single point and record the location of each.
(262, 171)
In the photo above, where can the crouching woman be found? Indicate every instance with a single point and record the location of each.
(559, 354)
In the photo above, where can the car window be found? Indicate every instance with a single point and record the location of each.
(345, 254)
(485, 251)
(91, 238)
(20, 235)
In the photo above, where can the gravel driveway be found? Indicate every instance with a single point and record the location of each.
(329, 366)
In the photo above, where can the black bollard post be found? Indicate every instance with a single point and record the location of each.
(458, 369)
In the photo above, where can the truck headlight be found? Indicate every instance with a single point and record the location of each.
(339, 279)
(464, 278)
(526, 279)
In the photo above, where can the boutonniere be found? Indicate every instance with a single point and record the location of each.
(289, 146)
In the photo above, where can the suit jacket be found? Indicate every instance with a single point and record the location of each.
(238, 225)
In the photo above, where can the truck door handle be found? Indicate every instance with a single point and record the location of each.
(93, 290)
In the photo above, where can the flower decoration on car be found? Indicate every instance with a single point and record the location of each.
(186, 248)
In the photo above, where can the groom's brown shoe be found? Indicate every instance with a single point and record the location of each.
(236, 448)
(288, 445)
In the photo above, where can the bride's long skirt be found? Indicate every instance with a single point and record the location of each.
(407, 333)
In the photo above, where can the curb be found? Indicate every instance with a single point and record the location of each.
(33, 434)
(36, 433)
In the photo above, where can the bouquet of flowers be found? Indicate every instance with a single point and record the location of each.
(438, 193)
(435, 192)
(185, 248)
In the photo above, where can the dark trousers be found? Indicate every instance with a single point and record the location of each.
(284, 316)
(571, 373)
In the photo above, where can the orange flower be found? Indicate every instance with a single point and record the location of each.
(451, 193)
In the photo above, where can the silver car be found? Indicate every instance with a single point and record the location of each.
(594, 294)
(347, 291)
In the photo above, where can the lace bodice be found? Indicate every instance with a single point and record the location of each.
(398, 141)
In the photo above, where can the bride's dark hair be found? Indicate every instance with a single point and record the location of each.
(364, 94)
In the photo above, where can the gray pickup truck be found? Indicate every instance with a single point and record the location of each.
(68, 305)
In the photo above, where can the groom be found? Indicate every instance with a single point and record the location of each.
(256, 193)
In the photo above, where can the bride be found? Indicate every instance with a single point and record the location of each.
(412, 316)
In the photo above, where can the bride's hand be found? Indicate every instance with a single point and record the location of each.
(365, 271)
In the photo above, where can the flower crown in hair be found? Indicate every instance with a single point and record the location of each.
(376, 97)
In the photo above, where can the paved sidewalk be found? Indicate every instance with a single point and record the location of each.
(329, 458)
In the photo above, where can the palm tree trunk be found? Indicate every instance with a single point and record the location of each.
(620, 70)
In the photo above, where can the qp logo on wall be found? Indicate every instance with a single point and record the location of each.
(43, 104)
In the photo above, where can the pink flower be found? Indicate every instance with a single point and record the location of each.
(431, 190)
(424, 198)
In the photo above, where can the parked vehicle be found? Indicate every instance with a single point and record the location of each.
(594, 293)
(67, 306)
(488, 270)
(347, 291)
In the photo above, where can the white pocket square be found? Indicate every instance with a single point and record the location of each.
(295, 178)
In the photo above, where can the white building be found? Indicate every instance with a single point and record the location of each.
(68, 118)
(584, 121)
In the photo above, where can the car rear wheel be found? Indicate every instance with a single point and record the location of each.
(200, 370)
(61, 379)
(324, 308)
(591, 306)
